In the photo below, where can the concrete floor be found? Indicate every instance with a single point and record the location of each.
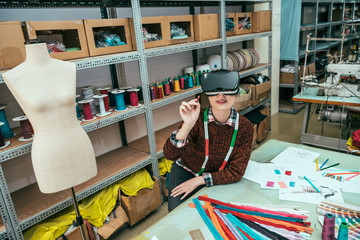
(284, 127)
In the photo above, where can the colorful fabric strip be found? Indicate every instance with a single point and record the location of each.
(229, 225)
(244, 227)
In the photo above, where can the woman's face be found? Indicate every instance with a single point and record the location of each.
(222, 101)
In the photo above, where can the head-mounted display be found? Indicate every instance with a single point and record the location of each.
(223, 81)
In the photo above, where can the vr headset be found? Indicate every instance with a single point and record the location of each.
(222, 81)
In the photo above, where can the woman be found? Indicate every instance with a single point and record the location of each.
(211, 146)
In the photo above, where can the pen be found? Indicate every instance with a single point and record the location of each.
(324, 163)
(330, 166)
(317, 165)
(311, 184)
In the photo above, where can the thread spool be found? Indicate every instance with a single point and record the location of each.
(140, 93)
(103, 112)
(154, 87)
(191, 81)
(182, 83)
(3, 144)
(119, 99)
(328, 231)
(197, 76)
(78, 114)
(105, 91)
(343, 232)
(87, 109)
(152, 93)
(6, 131)
(167, 88)
(160, 91)
(176, 85)
(25, 128)
(186, 82)
(171, 84)
(88, 93)
(126, 95)
(112, 101)
(134, 99)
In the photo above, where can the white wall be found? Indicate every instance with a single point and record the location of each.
(19, 172)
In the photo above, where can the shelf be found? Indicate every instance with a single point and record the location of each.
(18, 148)
(287, 85)
(32, 206)
(336, 23)
(174, 97)
(258, 68)
(326, 24)
(287, 107)
(249, 109)
(247, 37)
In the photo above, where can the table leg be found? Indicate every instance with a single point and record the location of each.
(306, 120)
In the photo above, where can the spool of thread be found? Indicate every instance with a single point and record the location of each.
(343, 233)
(186, 82)
(197, 79)
(182, 83)
(140, 93)
(152, 93)
(102, 109)
(5, 128)
(191, 81)
(160, 91)
(167, 88)
(176, 85)
(113, 40)
(25, 128)
(3, 144)
(105, 91)
(112, 101)
(78, 114)
(134, 99)
(171, 84)
(87, 109)
(126, 95)
(154, 87)
(119, 99)
(328, 231)
(88, 93)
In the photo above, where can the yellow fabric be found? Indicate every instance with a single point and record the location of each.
(164, 166)
(349, 143)
(94, 208)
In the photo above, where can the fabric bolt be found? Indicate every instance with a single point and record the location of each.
(220, 136)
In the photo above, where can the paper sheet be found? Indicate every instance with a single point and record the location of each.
(295, 157)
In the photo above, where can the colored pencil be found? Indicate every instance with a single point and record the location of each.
(317, 165)
(312, 184)
(344, 173)
(323, 164)
(330, 166)
(353, 176)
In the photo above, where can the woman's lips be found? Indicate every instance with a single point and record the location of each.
(221, 101)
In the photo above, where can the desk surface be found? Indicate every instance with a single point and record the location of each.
(182, 220)
(310, 96)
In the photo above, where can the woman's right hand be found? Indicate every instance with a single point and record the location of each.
(189, 112)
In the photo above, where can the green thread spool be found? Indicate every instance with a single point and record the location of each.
(343, 232)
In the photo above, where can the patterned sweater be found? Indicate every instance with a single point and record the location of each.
(192, 154)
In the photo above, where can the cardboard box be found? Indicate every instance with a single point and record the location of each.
(206, 27)
(263, 129)
(12, 48)
(70, 33)
(239, 28)
(232, 17)
(138, 207)
(259, 92)
(254, 136)
(76, 234)
(152, 25)
(184, 21)
(113, 26)
(312, 68)
(336, 16)
(164, 190)
(114, 224)
(243, 101)
(266, 110)
(261, 21)
(289, 78)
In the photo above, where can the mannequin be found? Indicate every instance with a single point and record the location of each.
(62, 154)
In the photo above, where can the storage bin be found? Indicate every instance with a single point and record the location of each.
(242, 18)
(155, 25)
(232, 18)
(206, 27)
(261, 21)
(69, 33)
(12, 48)
(101, 42)
(146, 201)
(186, 22)
(263, 129)
(289, 78)
(243, 101)
(259, 92)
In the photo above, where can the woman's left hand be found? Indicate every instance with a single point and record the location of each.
(187, 187)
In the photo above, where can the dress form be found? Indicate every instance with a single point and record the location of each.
(45, 88)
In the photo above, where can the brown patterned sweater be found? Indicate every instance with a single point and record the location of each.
(192, 154)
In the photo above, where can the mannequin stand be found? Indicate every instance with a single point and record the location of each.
(79, 219)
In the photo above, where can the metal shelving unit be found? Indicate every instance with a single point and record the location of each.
(318, 47)
(14, 221)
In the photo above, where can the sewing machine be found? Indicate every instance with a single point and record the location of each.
(343, 79)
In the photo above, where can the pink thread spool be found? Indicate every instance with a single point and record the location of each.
(25, 128)
(105, 91)
(3, 144)
(328, 232)
(87, 109)
(134, 99)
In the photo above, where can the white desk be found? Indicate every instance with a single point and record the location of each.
(182, 220)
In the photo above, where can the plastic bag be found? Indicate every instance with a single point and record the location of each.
(150, 37)
(244, 23)
(54, 46)
(177, 32)
(107, 39)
